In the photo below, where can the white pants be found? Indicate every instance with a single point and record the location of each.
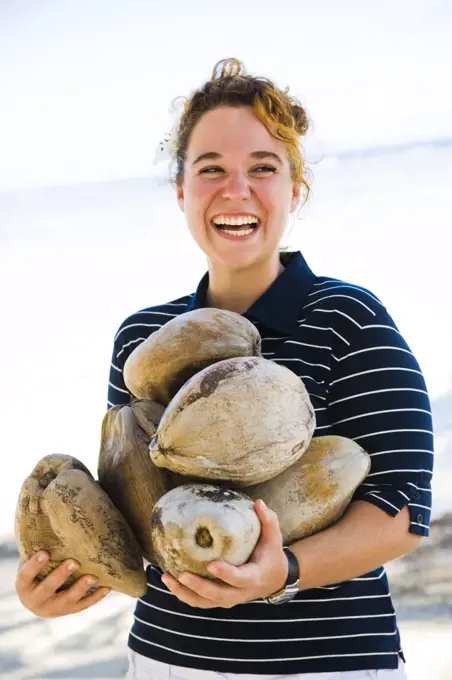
(142, 668)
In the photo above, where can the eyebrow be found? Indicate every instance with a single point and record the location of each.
(213, 155)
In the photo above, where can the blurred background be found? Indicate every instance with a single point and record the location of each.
(90, 232)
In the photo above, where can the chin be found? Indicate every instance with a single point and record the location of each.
(239, 260)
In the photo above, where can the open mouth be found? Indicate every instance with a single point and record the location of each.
(237, 231)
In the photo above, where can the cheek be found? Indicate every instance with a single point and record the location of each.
(199, 195)
(277, 211)
(197, 202)
(276, 197)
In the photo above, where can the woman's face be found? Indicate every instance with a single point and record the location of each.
(246, 175)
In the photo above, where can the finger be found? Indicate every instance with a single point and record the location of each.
(46, 589)
(221, 593)
(187, 595)
(77, 597)
(28, 571)
(246, 577)
(89, 600)
(270, 529)
(78, 590)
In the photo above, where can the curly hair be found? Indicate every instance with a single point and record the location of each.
(283, 116)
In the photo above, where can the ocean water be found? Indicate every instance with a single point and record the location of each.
(76, 260)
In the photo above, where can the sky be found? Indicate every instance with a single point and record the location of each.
(86, 85)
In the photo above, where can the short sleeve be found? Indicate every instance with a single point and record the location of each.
(118, 394)
(377, 396)
(134, 330)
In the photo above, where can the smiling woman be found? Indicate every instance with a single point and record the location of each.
(238, 122)
(237, 190)
(240, 172)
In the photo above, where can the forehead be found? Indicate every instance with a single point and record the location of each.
(229, 130)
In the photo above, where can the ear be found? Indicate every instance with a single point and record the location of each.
(296, 197)
(180, 197)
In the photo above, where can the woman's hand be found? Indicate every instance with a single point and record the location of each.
(41, 598)
(264, 574)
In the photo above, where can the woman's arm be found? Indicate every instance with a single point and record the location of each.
(377, 397)
(364, 539)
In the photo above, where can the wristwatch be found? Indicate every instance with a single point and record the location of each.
(292, 584)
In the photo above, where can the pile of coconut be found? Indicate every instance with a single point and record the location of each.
(213, 426)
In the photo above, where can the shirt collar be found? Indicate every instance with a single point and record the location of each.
(279, 307)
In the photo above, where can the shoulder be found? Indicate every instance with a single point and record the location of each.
(138, 326)
(350, 312)
(343, 299)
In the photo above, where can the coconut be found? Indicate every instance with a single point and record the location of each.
(313, 493)
(241, 420)
(63, 510)
(198, 523)
(160, 365)
(126, 471)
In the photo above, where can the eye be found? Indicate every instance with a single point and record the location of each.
(208, 171)
(263, 168)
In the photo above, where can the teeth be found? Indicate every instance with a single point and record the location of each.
(235, 221)
(238, 232)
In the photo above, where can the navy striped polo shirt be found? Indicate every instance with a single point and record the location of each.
(365, 384)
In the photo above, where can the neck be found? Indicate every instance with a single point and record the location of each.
(236, 290)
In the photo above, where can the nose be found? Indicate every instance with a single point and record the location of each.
(236, 187)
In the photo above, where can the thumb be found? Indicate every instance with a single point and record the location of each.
(270, 530)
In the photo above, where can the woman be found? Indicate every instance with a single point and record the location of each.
(239, 175)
